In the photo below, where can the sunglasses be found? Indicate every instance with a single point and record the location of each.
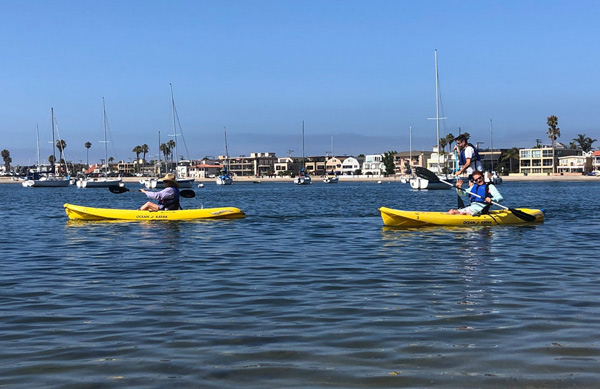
(477, 179)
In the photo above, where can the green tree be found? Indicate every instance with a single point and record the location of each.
(145, 150)
(553, 133)
(52, 160)
(510, 155)
(443, 144)
(7, 159)
(389, 162)
(87, 152)
(164, 149)
(137, 150)
(584, 142)
(61, 145)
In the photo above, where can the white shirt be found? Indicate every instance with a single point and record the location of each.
(475, 165)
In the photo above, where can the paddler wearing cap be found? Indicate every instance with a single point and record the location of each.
(168, 198)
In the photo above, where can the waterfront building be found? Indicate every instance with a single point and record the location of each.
(543, 159)
(257, 164)
(404, 160)
(575, 164)
(373, 165)
(315, 165)
(334, 165)
(205, 170)
(596, 161)
(350, 166)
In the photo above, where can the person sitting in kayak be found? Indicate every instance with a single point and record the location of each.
(479, 205)
(168, 198)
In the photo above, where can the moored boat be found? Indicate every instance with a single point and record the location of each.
(399, 218)
(78, 212)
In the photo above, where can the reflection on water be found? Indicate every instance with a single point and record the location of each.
(308, 291)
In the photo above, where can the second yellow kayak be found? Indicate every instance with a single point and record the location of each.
(398, 218)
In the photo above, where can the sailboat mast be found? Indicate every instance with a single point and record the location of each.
(226, 150)
(105, 141)
(437, 108)
(491, 146)
(303, 159)
(174, 127)
(53, 142)
(37, 133)
(410, 148)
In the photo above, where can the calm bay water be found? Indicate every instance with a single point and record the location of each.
(310, 290)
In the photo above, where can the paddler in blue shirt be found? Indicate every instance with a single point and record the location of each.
(168, 198)
(479, 205)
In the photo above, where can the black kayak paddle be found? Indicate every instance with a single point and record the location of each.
(186, 193)
(429, 175)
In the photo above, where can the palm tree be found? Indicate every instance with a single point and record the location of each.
(553, 133)
(7, 159)
(585, 142)
(510, 155)
(52, 160)
(137, 150)
(171, 146)
(87, 153)
(145, 149)
(443, 144)
(164, 149)
(61, 145)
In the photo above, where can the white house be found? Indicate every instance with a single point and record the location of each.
(373, 165)
(350, 165)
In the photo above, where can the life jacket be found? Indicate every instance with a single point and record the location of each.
(461, 156)
(480, 190)
(171, 204)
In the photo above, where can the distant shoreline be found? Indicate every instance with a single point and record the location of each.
(518, 177)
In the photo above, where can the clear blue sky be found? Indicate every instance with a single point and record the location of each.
(360, 71)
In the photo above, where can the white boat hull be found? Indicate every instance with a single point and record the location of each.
(302, 180)
(153, 183)
(99, 183)
(47, 182)
(224, 180)
(331, 180)
(418, 183)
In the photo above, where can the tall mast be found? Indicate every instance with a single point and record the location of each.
(53, 141)
(437, 108)
(174, 127)
(105, 141)
(37, 132)
(226, 150)
(491, 146)
(410, 148)
(303, 159)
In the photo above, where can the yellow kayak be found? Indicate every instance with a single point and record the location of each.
(79, 212)
(397, 218)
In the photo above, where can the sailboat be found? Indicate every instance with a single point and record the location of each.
(155, 183)
(331, 179)
(225, 178)
(48, 180)
(303, 178)
(418, 182)
(104, 181)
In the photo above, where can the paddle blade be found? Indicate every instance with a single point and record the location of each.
(426, 174)
(522, 215)
(187, 193)
(118, 189)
